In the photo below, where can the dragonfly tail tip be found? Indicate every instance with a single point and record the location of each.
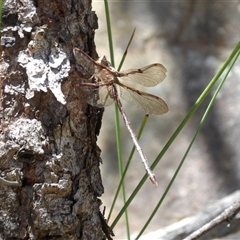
(153, 180)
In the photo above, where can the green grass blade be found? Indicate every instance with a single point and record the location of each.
(179, 129)
(127, 166)
(126, 51)
(120, 165)
(117, 122)
(138, 136)
(189, 147)
(196, 105)
(109, 30)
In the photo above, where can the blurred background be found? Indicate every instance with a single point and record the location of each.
(191, 39)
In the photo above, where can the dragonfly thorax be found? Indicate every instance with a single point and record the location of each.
(105, 78)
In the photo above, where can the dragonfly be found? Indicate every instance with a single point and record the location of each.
(109, 85)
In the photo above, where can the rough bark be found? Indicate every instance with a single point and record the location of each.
(49, 160)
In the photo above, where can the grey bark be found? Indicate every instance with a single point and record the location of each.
(49, 161)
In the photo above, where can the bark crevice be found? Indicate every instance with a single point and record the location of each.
(48, 131)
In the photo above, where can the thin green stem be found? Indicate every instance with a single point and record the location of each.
(109, 29)
(140, 132)
(117, 122)
(178, 130)
(189, 147)
(126, 51)
(127, 166)
(120, 165)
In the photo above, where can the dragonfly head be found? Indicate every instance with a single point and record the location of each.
(103, 60)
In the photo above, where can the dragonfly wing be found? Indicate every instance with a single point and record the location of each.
(84, 61)
(97, 97)
(104, 97)
(148, 76)
(149, 103)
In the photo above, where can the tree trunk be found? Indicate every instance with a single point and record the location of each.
(49, 161)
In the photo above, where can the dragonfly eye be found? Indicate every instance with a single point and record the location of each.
(103, 60)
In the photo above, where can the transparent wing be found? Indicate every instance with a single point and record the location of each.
(104, 97)
(148, 76)
(149, 103)
(86, 62)
(97, 96)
